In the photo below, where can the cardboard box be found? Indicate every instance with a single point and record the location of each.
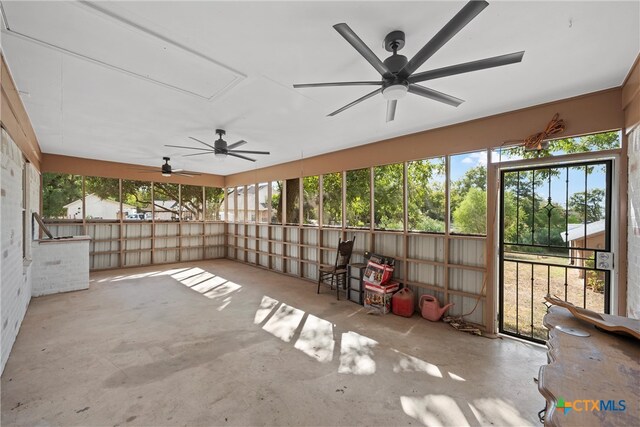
(378, 297)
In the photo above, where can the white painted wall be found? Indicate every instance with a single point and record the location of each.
(633, 238)
(15, 272)
(60, 266)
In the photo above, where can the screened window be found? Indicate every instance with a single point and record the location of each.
(263, 202)
(61, 196)
(468, 193)
(427, 205)
(559, 147)
(276, 202)
(388, 183)
(192, 208)
(358, 208)
(166, 202)
(251, 203)
(213, 198)
(293, 201)
(102, 199)
(136, 200)
(311, 199)
(332, 199)
(241, 210)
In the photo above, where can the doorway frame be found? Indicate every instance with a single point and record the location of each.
(618, 281)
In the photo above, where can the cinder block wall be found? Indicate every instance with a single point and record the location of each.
(15, 271)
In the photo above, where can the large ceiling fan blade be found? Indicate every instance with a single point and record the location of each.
(236, 144)
(188, 148)
(357, 101)
(199, 154)
(370, 83)
(391, 109)
(355, 41)
(457, 23)
(186, 173)
(241, 157)
(249, 152)
(202, 142)
(496, 61)
(435, 95)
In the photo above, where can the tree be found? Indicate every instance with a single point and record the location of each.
(581, 144)
(426, 196)
(388, 185)
(588, 207)
(470, 216)
(311, 199)
(358, 208)
(293, 201)
(276, 202)
(332, 199)
(475, 177)
(59, 190)
(214, 197)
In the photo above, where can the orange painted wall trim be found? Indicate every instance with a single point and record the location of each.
(14, 118)
(590, 113)
(90, 167)
(631, 97)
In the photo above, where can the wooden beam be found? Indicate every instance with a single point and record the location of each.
(14, 118)
(90, 167)
(590, 113)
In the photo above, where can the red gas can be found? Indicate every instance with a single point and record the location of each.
(402, 303)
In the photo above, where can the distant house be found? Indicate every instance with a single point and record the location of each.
(249, 213)
(164, 210)
(97, 208)
(579, 236)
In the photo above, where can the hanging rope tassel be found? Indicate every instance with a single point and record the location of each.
(535, 141)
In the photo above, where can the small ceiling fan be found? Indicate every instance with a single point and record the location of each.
(220, 148)
(398, 73)
(166, 170)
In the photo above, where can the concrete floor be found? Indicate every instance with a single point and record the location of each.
(222, 343)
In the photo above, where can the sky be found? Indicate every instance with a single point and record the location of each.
(460, 164)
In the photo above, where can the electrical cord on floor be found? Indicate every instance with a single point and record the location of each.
(542, 415)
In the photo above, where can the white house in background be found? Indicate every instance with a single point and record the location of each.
(97, 208)
(249, 213)
(591, 235)
(165, 210)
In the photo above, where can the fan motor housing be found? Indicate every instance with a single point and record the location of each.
(395, 63)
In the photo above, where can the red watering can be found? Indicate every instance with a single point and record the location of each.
(430, 308)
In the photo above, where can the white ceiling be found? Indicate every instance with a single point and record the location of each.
(118, 80)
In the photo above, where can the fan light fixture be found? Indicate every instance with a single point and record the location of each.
(395, 92)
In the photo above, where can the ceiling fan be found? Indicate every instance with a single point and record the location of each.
(220, 148)
(166, 170)
(399, 74)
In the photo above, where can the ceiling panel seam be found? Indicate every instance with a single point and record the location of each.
(237, 76)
